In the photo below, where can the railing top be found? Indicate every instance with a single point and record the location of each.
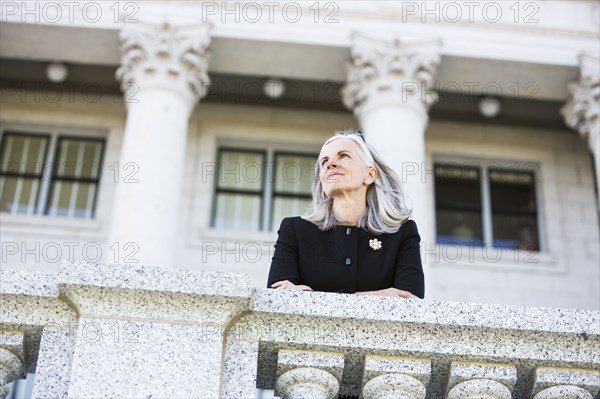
(28, 283)
(156, 279)
(418, 311)
(292, 303)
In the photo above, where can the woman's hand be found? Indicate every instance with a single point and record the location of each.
(393, 292)
(286, 285)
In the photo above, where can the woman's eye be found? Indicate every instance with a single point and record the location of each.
(343, 155)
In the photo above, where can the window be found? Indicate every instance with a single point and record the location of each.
(255, 189)
(496, 205)
(51, 174)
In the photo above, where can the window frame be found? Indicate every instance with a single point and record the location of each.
(483, 166)
(54, 134)
(39, 204)
(216, 189)
(283, 194)
(270, 153)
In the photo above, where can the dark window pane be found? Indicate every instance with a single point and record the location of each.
(458, 204)
(514, 209)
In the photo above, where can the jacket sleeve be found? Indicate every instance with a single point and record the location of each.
(408, 275)
(284, 265)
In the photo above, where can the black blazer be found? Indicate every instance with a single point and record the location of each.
(341, 260)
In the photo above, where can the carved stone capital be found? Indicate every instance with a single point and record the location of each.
(581, 110)
(476, 380)
(479, 389)
(398, 386)
(11, 368)
(174, 58)
(395, 377)
(565, 383)
(564, 392)
(307, 382)
(308, 374)
(380, 69)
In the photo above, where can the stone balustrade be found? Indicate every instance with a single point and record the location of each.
(130, 331)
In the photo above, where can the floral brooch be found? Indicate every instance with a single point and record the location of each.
(375, 244)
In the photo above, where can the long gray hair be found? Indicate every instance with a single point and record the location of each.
(386, 210)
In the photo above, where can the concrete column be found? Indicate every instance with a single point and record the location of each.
(582, 108)
(163, 74)
(565, 383)
(481, 380)
(308, 374)
(389, 88)
(395, 377)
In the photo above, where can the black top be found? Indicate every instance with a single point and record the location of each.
(341, 260)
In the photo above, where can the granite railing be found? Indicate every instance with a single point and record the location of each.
(138, 332)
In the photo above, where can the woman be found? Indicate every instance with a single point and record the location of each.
(357, 237)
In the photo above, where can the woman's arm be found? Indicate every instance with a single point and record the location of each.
(394, 292)
(284, 274)
(408, 275)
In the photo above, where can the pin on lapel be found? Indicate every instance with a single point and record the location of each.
(375, 244)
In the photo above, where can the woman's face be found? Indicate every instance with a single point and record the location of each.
(342, 169)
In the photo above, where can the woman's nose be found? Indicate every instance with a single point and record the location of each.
(330, 164)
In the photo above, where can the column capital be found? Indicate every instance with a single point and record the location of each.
(307, 382)
(308, 374)
(555, 382)
(481, 380)
(166, 56)
(391, 70)
(581, 110)
(11, 366)
(395, 377)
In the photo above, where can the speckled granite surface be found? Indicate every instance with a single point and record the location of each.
(359, 326)
(28, 283)
(546, 377)
(505, 374)
(121, 331)
(332, 362)
(346, 306)
(150, 332)
(12, 364)
(380, 365)
(53, 371)
(156, 279)
(30, 303)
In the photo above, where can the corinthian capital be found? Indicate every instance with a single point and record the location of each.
(380, 68)
(175, 58)
(581, 110)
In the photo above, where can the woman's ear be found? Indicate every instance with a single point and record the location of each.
(371, 176)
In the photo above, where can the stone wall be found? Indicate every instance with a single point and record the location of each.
(123, 331)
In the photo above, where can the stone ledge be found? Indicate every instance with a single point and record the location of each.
(155, 279)
(430, 312)
(28, 283)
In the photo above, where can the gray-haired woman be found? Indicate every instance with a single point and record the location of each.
(357, 237)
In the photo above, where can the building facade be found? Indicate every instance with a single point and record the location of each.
(178, 134)
(171, 138)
